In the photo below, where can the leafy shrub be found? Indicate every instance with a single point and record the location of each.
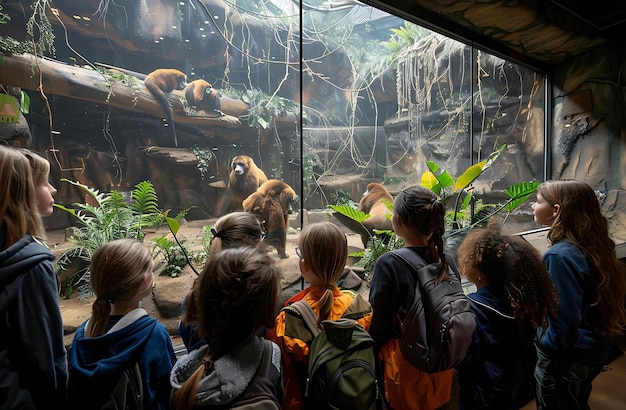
(112, 217)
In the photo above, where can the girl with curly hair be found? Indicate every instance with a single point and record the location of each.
(514, 296)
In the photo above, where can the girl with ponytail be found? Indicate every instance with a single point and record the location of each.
(418, 217)
(323, 250)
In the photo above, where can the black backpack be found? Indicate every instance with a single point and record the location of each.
(340, 371)
(125, 394)
(438, 327)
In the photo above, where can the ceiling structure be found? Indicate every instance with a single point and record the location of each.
(540, 33)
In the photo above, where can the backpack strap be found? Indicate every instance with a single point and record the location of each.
(265, 366)
(413, 259)
(308, 315)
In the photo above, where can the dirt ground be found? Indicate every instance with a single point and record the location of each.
(76, 310)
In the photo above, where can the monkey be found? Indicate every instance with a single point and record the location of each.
(245, 178)
(203, 96)
(161, 82)
(373, 203)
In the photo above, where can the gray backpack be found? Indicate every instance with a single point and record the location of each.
(438, 327)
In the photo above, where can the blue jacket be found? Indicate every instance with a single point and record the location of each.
(498, 371)
(33, 370)
(97, 362)
(570, 335)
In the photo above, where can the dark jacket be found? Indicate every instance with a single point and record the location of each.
(96, 363)
(392, 291)
(498, 371)
(33, 370)
(570, 335)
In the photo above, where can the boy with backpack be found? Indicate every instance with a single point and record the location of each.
(322, 328)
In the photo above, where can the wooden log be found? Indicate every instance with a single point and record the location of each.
(56, 78)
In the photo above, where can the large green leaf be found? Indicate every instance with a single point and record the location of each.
(519, 193)
(442, 176)
(475, 170)
(352, 213)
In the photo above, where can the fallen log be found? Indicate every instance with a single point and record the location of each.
(108, 86)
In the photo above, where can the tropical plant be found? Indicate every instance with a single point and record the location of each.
(461, 189)
(110, 218)
(264, 109)
(176, 255)
(381, 242)
(4, 18)
(445, 187)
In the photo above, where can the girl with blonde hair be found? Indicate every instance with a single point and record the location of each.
(33, 369)
(322, 249)
(119, 332)
(44, 190)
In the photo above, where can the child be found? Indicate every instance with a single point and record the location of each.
(44, 190)
(418, 217)
(514, 296)
(237, 295)
(322, 249)
(232, 230)
(591, 283)
(119, 332)
(33, 369)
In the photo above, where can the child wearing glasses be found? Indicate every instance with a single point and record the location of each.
(322, 249)
(230, 231)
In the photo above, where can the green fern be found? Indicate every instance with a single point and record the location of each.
(111, 218)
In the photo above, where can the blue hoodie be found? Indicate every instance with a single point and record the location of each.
(33, 369)
(97, 362)
(570, 335)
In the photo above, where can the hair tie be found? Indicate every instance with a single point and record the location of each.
(217, 234)
(432, 201)
(330, 286)
(208, 365)
(503, 249)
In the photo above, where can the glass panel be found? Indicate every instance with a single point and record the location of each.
(381, 98)
(417, 97)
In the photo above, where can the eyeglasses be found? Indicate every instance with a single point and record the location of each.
(298, 252)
